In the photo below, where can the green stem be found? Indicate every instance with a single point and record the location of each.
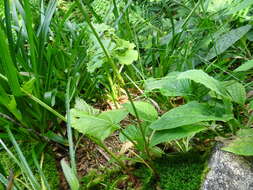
(110, 60)
(116, 158)
(44, 105)
(69, 130)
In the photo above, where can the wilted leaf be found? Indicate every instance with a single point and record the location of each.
(175, 134)
(189, 114)
(145, 111)
(227, 40)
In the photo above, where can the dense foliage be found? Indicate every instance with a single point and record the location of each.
(162, 76)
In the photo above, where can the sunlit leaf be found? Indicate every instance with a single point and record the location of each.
(175, 134)
(201, 77)
(189, 114)
(242, 145)
(227, 40)
(70, 176)
(145, 111)
(236, 91)
(170, 85)
(245, 66)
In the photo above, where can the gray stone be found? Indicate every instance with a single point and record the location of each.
(228, 172)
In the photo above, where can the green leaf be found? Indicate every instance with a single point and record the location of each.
(29, 85)
(91, 125)
(242, 145)
(114, 116)
(70, 176)
(10, 103)
(175, 134)
(227, 40)
(132, 131)
(217, 5)
(145, 111)
(245, 66)
(8, 66)
(239, 6)
(124, 53)
(170, 85)
(86, 120)
(201, 77)
(189, 114)
(81, 105)
(237, 91)
(121, 51)
(251, 104)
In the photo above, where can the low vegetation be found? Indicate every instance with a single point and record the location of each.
(131, 94)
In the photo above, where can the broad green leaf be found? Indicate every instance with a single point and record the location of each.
(135, 134)
(245, 133)
(227, 40)
(121, 51)
(170, 85)
(239, 6)
(175, 134)
(245, 66)
(236, 91)
(91, 125)
(218, 5)
(70, 176)
(189, 114)
(242, 144)
(201, 77)
(125, 53)
(145, 111)
(131, 131)
(114, 116)
(81, 105)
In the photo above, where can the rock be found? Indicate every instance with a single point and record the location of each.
(228, 172)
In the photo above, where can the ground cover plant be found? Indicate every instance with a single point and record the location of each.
(122, 94)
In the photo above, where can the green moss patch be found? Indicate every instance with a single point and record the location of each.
(49, 165)
(181, 171)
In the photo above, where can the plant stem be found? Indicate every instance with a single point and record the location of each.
(69, 130)
(44, 105)
(116, 158)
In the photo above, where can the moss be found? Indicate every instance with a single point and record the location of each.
(49, 165)
(181, 171)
